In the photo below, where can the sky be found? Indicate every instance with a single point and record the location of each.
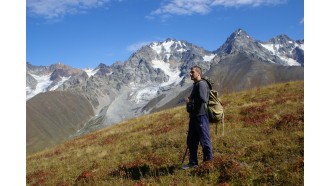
(85, 33)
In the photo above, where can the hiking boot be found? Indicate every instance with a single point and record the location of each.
(189, 165)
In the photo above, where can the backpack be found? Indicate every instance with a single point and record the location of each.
(214, 106)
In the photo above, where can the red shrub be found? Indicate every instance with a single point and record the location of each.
(228, 168)
(107, 141)
(163, 129)
(254, 115)
(155, 160)
(203, 169)
(298, 164)
(288, 120)
(37, 178)
(55, 152)
(85, 177)
(252, 110)
(254, 120)
(141, 183)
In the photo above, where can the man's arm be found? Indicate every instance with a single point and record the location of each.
(204, 91)
(203, 95)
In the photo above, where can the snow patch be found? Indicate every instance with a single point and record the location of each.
(156, 47)
(168, 56)
(274, 50)
(167, 45)
(289, 61)
(146, 94)
(181, 50)
(301, 46)
(174, 74)
(43, 83)
(90, 72)
(59, 83)
(208, 57)
(270, 47)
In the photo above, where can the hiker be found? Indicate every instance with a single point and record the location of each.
(198, 131)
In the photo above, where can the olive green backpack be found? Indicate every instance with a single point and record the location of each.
(215, 107)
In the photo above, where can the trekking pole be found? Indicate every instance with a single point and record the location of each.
(223, 124)
(184, 156)
(216, 128)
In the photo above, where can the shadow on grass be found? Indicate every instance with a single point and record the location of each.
(137, 170)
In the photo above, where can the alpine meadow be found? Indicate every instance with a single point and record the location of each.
(263, 144)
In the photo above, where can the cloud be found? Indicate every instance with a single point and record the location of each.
(301, 21)
(136, 46)
(253, 3)
(202, 7)
(54, 9)
(184, 7)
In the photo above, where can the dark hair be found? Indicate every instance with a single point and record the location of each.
(198, 69)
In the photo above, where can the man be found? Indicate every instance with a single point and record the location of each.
(199, 123)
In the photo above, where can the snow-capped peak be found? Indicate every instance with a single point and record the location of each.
(284, 48)
(167, 46)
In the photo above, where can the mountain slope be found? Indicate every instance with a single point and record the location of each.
(53, 117)
(263, 144)
(240, 72)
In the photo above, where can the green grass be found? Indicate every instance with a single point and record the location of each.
(263, 145)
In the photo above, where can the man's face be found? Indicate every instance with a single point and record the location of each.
(194, 74)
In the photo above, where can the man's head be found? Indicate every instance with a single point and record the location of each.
(196, 73)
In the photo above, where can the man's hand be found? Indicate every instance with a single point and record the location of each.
(187, 100)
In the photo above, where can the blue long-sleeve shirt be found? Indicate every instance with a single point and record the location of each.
(199, 96)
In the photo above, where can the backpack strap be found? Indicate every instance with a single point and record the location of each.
(208, 82)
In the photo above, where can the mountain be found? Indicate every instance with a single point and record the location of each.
(278, 50)
(156, 77)
(42, 78)
(289, 51)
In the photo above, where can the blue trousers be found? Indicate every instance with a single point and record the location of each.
(199, 133)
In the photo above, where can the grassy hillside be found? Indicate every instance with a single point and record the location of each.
(263, 145)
